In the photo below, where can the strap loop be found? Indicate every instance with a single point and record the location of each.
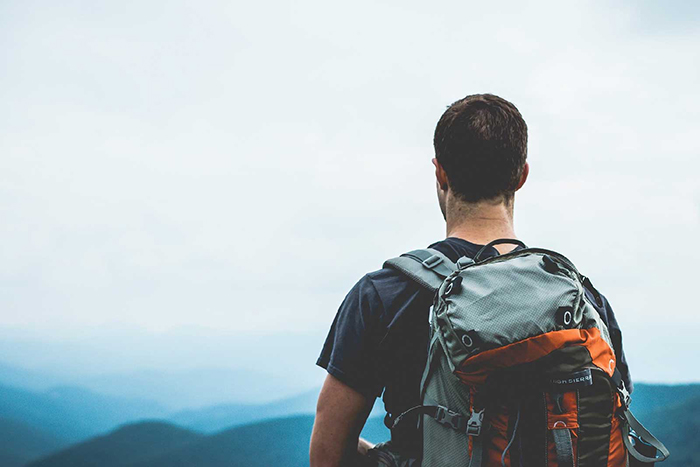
(431, 262)
(500, 241)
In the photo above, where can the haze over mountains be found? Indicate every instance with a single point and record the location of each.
(179, 370)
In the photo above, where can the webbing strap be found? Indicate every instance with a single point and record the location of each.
(455, 420)
(477, 451)
(427, 267)
(432, 352)
(632, 427)
(564, 447)
(441, 414)
(433, 260)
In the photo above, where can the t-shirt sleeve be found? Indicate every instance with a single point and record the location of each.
(616, 337)
(350, 351)
(606, 313)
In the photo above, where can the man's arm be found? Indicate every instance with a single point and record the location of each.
(341, 413)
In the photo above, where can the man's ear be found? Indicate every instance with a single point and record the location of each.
(440, 175)
(523, 176)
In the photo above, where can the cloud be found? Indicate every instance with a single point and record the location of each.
(238, 166)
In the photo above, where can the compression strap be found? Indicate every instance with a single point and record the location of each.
(564, 447)
(455, 420)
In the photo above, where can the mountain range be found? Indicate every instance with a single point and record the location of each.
(20, 443)
(280, 442)
(217, 417)
(73, 427)
(284, 442)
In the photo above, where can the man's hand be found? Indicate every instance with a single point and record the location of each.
(341, 413)
(363, 446)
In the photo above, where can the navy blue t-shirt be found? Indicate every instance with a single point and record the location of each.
(378, 342)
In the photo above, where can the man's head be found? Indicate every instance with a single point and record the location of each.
(480, 150)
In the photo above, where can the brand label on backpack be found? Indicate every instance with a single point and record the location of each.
(576, 379)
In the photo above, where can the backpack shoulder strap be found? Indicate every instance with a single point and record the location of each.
(427, 267)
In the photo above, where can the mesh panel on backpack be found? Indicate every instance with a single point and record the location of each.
(441, 442)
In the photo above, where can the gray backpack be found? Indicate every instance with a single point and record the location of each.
(521, 369)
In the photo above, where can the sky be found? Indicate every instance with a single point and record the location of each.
(177, 178)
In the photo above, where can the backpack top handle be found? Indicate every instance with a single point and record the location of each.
(499, 241)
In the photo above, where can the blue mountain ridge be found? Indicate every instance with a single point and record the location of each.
(70, 413)
(70, 416)
(284, 442)
(22, 443)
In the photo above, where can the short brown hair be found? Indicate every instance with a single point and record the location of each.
(481, 142)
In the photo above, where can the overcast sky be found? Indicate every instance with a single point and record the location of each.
(232, 168)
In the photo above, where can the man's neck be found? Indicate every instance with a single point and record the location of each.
(481, 222)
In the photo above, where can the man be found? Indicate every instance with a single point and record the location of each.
(378, 342)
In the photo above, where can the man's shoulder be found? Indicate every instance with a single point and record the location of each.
(387, 286)
(453, 248)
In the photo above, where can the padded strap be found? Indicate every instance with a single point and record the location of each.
(564, 447)
(427, 267)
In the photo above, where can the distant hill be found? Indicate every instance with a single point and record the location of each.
(195, 388)
(678, 427)
(123, 447)
(222, 416)
(72, 414)
(375, 431)
(22, 443)
(647, 398)
(280, 443)
(177, 389)
(218, 417)
(29, 379)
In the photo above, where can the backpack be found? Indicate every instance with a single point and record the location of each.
(521, 370)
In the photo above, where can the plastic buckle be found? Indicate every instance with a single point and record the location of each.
(449, 418)
(624, 394)
(475, 422)
(431, 262)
